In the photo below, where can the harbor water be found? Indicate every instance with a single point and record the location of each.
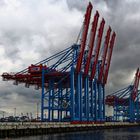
(132, 133)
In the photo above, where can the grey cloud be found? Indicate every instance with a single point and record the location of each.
(80, 5)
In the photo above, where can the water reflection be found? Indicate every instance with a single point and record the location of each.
(116, 134)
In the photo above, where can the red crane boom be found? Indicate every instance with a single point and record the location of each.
(84, 37)
(91, 42)
(97, 49)
(100, 76)
(109, 57)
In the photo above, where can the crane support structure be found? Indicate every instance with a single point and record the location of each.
(68, 80)
(126, 102)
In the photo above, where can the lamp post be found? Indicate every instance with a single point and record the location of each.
(15, 111)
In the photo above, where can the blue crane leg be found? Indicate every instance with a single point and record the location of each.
(95, 101)
(87, 97)
(99, 102)
(72, 114)
(103, 103)
(42, 97)
(92, 101)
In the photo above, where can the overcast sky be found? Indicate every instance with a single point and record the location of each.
(31, 30)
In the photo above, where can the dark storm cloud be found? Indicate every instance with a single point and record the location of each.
(19, 97)
(127, 49)
(124, 18)
(30, 93)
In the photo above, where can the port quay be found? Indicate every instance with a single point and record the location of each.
(17, 129)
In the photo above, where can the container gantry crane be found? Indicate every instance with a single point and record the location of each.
(72, 88)
(126, 101)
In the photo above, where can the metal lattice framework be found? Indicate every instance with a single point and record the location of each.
(73, 84)
(126, 101)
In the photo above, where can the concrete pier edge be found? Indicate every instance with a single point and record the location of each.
(19, 129)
